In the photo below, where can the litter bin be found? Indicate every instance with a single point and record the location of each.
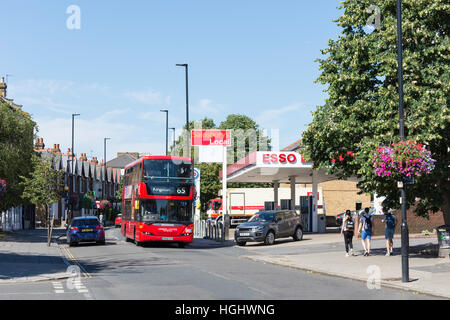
(443, 233)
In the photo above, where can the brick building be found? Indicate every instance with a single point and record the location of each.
(339, 195)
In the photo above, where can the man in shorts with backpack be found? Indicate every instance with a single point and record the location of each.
(389, 219)
(366, 225)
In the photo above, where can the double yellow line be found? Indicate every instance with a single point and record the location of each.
(72, 260)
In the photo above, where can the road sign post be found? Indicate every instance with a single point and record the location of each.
(197, 203)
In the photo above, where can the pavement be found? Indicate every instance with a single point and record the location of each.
(25, 257)
(325, 254)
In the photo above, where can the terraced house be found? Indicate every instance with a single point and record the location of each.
(89, 178)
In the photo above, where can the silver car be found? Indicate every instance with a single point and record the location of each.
(266, 226)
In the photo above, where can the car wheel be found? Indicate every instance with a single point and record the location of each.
(241, 243)
(181, 244)
(298, 235)
(101, 242)
(270, 238)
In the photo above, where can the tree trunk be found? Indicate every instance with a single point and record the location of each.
(50, 226)
(446, 209)
(48, 221)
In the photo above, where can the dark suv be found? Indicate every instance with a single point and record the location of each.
(266, 226)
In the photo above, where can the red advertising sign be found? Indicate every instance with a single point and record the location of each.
(281, 158)
(211, 137)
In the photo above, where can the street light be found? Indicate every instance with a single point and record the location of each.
(167, 131)
(104, 164)
(173, 148)
(186, 66)
(73, 164)
(404, 229)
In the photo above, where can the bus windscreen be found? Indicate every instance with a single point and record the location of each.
(170, 211)
(166, 170)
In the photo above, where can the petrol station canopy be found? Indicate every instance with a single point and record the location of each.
(267, 166)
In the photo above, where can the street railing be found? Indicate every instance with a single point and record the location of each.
(209, 229)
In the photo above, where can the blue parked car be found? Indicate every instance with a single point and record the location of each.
(85, 229)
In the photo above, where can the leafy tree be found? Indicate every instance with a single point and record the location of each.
(45, 185)
(210, 183)
(16, 149)
(247, 138)
(119, 191)
(361, 111)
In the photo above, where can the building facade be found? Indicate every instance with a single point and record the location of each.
(81, 177)
(339, 195)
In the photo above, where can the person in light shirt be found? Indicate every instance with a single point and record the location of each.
(366, 225)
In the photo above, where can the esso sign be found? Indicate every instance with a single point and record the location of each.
(280, 158)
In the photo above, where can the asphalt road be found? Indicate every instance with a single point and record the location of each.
(205, 270)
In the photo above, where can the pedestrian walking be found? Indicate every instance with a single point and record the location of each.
(366, 226)
(348, 229)
(390, 221)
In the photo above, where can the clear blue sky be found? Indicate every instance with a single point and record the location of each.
(249, 57)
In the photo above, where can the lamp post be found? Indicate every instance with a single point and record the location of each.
(104, 163)
(186, 66)
(105, 180)
(167, 131)
(72, 164)
(173, 147)
(404, 229)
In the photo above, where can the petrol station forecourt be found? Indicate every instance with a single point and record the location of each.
(282, 168)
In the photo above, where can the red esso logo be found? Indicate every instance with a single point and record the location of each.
(279, 158)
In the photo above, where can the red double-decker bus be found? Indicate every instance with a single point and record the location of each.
(157, 200)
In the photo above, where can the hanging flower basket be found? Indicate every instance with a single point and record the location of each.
(103, 204)
(403, 160)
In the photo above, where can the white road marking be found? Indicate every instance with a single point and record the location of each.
(58, 287)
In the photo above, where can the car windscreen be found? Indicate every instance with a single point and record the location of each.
(85, 222)
(263, 217)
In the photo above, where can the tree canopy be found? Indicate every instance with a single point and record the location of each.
(361, 111)
(247, 137)
(16, 149)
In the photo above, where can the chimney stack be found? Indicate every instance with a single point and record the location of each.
(3, 87)
(39, 145)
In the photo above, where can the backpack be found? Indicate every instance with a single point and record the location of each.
(390, 222)
(350, 224)
(367, 223)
